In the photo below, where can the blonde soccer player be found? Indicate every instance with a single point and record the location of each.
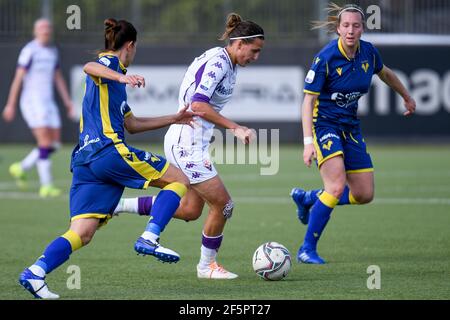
(340, 75)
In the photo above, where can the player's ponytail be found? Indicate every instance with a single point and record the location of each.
(334, 12)
(238, 29)
(117, 33)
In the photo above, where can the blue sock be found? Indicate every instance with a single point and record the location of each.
(58, 251)
(165, 206)
(312, 196)
(347, 197)
(318, 219)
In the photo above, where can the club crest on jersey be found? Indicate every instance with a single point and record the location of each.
(365, 66)
(339, 71)
(327, 145)
(207, 165)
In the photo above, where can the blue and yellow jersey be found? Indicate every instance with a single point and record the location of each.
(340, 81)
(103, 113)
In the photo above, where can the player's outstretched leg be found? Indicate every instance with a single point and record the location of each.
(304, 200)
(56, 253)
(140, 205)
(162, 211)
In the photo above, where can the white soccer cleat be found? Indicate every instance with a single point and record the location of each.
(215, 271)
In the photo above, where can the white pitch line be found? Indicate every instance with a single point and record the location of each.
(24, 196)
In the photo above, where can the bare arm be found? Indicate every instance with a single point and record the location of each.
(10, 109)
(97, 70)
(61, 86)
(140, 124)
(309, 152)
(242, 133)
(388, 76)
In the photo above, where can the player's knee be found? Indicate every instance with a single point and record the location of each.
(336, 190)
(86, 238)
(363, 197)
(228, 209)
(191, 216)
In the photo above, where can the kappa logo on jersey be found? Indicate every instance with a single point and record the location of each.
(212, 75)
(339, 71)
(218, 65)
(317, 60)
(365, 66)
(310, 76)
(105, 61)
(344, 101)
(327, 145)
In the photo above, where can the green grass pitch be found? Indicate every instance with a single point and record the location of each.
(405, 231)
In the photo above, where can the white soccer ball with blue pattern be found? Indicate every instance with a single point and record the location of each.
(272, 261)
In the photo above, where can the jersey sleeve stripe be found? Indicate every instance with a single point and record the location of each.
(311, 92)
(200, 98)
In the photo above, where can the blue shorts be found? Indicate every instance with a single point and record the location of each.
(330, 142)
(98, 186)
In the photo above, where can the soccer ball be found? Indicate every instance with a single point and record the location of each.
(272, 261)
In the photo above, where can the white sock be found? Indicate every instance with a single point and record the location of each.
(44, 167)
(30, 160)
(129, 205)
(147, 235)
(207, 256)
(37, 270)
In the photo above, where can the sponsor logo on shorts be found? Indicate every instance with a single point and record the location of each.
(328, 136)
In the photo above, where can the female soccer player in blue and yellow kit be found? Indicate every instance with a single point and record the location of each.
(341, 73)
(103, 164)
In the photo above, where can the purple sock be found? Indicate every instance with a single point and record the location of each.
(44, 153)
(212, 242)
(145, 205)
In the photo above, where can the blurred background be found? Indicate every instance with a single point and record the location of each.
(413, 37)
